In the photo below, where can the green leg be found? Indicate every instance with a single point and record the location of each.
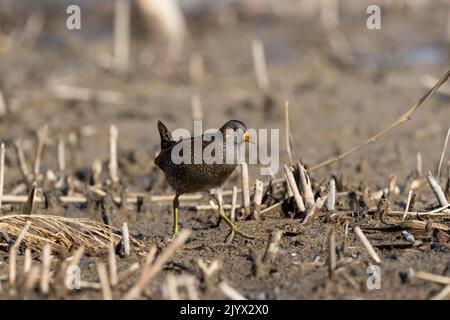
(176, 227)
(233, 228)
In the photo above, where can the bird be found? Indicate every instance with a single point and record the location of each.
(201, 175)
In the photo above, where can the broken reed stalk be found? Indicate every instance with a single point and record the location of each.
(233, 204)
(444, 294)
(42, 138)
(2, 172)
(65, 92)
(32, 277)
(172, 286)
(113, 166)
(245, 187)
(196, 107)
(331, 195)
(104, 282)
(230, 292)
(437, 190)
(403, 118)
(150, 271)
(288, 187)
(112, 264)
(61, 155)
(22, 161)
(189, 283)
(272, 246)
(306, 188)
(422, 275)
(419, 170)
(331, 252)
(27, 261)
(27, 208)
(128, 272)
(45, 275)
(126, 239)
(196, 70)
(444, 149)
(13, 254)
(259, 63)
(392, 185)
(257, 199)
(122, 35)
(367, 245)
(408, 203)
(293, 185)
(3, 107)
(288, 136)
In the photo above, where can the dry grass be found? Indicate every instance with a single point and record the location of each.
(62, 233)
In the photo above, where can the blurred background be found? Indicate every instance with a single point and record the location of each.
(134, 62)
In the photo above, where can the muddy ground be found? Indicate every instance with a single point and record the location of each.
(334, 106)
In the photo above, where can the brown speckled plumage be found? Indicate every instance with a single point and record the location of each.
(204, 174)
(187, 178)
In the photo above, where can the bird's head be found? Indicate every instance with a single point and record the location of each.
(236, 130)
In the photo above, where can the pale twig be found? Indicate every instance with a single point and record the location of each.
(272, 246)
(128, 272)
(233, 204)
(196, 70)
(306, 188)
(113, 167)
(444, 294)
(150, 272)
(245, 187)
(27, 208)
(442, 155)
(291, 181)
(112, 264)
(189, 282)
(331, 195)
(3, 107)
(61, 155)
(22, 161)
(437, 190)
(213, 267)
(45, 274)
(259, 63)
(419, 170)
(196, 107)
(367, 245)
(230, 292)
(408, 202)
(104, 282)
(122, 35)
(13, 254)
(403, 118)
(27, 261)
(172, 286)
(32, 277)
(65, 92)
(42, 138)
(257, 199)
(288, 133)
(126, 239)
(422, 275)
(331, 252)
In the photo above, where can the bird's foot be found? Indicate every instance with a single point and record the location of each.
(233, 231)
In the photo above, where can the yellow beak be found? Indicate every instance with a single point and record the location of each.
(246, 137)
